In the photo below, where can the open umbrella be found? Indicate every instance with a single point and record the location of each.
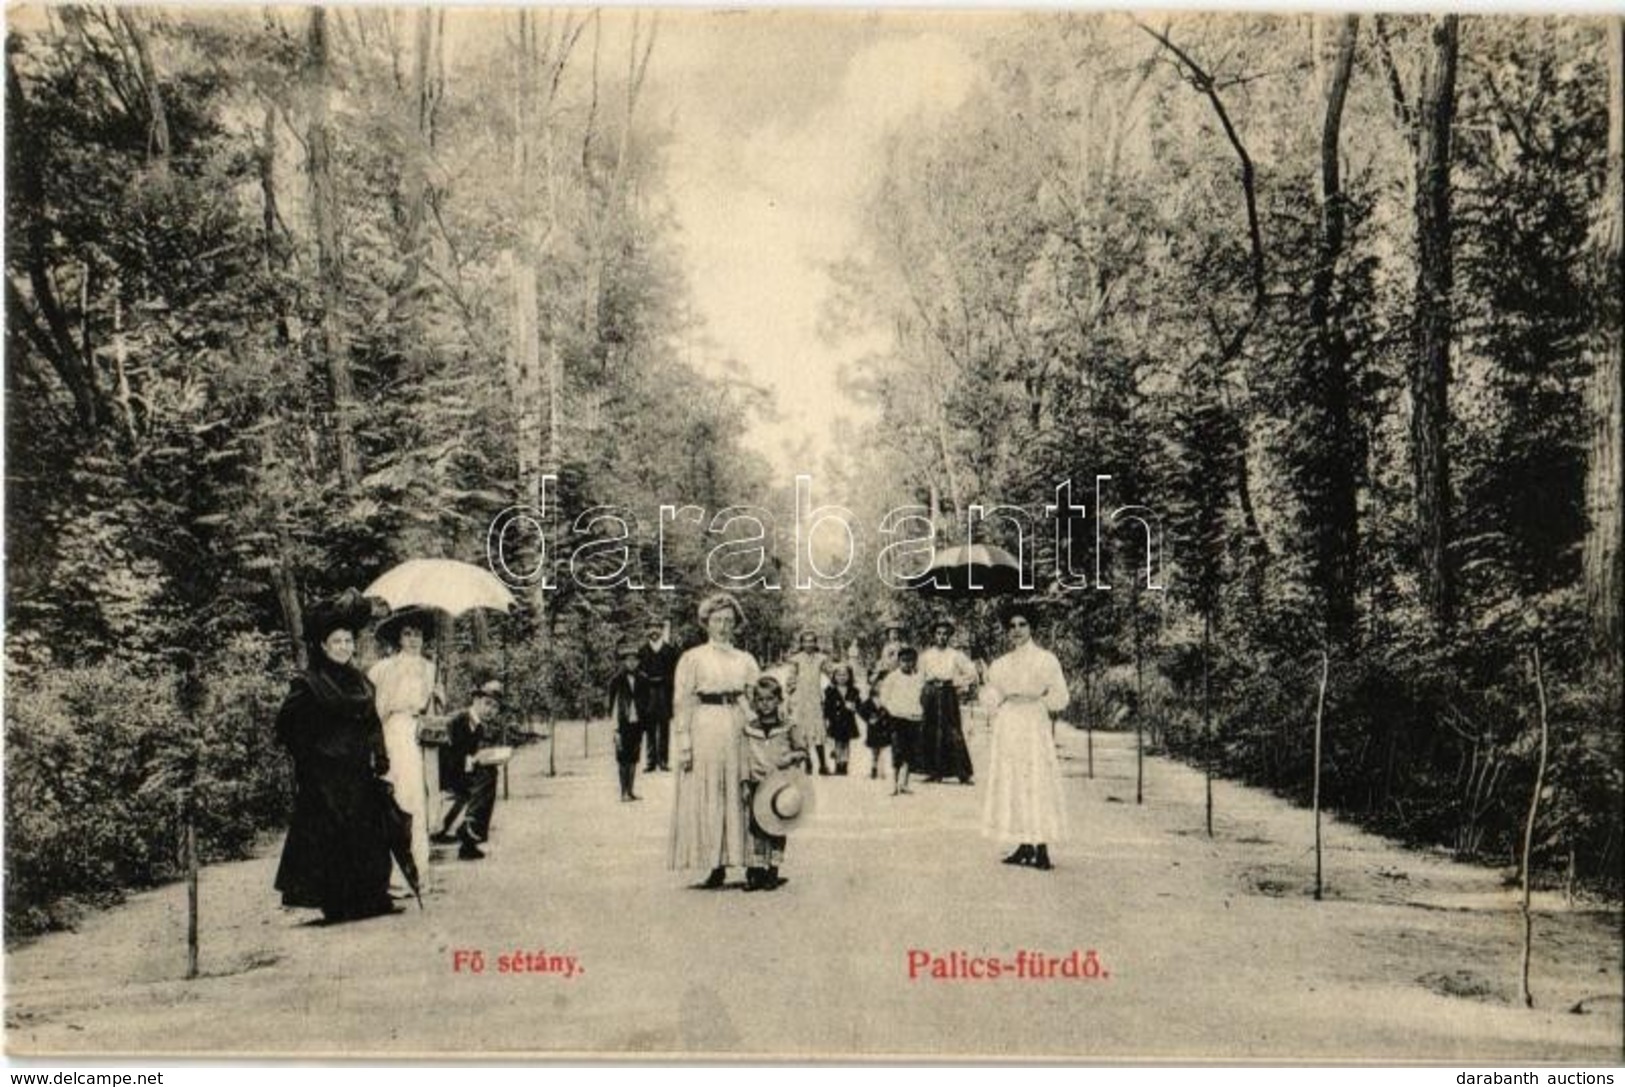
(970, 570)
(449, 586)
(453, 587)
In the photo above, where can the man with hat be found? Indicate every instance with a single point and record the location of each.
(947, 672)
(657, 663)
(629, 699)
(473, 783)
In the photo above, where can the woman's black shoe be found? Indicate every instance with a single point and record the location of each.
(755, 879)
(1023, 855)
(1041, 860)
(715, 880)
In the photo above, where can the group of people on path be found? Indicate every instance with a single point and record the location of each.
(368, 749)
(915, 709)
(728, 734)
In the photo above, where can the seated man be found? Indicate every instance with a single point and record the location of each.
(473, 784)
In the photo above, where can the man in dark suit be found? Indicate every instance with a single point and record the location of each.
(474, 784)
(629, 709)
(657, 664)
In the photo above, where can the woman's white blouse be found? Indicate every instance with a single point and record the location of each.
(404, 684)
(1029, 673)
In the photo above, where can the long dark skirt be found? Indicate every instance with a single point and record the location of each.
(943, 752)
(336, 858)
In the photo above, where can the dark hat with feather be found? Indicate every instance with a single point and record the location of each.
(348, 610)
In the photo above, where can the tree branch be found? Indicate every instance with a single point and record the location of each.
(1202, 81)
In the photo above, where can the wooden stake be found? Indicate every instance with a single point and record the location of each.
(1529, 835)
(1207, 722)
(191, 898)
(1320, 713)
(552, 747)
(1139, 706)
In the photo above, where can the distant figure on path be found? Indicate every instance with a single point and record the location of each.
(947, 671)
(1024, 802)
(657, 660)
(629, 709)
(886, 662)
(899, 698)
(841, 702)
(708, 718)
(336, 858)
(807, 696)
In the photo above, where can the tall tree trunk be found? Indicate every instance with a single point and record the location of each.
(1337, 530)
(610, 221)
(329, 260)
(25, 159)
(158, 117)
(1430, 362)
(419, 143)
(1604, 560)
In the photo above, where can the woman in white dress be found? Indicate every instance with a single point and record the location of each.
(405, 685)
(1024, 802)
(807, 697)
(708, 719)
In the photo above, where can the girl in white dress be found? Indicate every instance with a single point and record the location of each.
(1024, 802)
(708, 718)
(405, 686)
(807, 697)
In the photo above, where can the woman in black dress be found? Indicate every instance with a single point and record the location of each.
(337, 855)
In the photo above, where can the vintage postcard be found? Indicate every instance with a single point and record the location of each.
(817, 535)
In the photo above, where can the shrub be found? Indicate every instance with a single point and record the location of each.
(97, 758)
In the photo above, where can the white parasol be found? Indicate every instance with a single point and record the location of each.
(451, 586)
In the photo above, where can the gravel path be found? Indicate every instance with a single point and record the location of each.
(1213, 948)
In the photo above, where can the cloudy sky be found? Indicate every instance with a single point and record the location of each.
(777, 120)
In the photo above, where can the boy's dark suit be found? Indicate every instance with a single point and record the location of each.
(629, 704)
(476, 787)
(656, 667)
(629, 700)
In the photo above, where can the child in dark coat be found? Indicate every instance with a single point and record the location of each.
(841, 700)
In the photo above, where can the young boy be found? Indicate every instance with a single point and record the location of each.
(473, 783)
(628, 708)
(769, 744)
(899, 696)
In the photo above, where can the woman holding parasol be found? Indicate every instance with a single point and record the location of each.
(406, 691)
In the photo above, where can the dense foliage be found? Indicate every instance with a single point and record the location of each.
(1186, 255)
(290, 298)
(294, 295)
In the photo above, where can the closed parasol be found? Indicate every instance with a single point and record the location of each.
(397, 830)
